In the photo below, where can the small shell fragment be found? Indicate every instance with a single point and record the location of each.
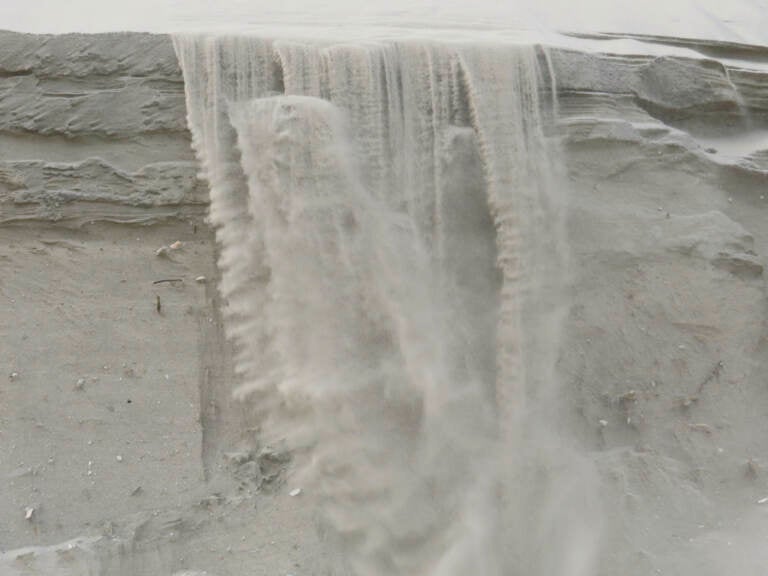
(295, 492)
(200, 279)
(762, 500)
(29, 513)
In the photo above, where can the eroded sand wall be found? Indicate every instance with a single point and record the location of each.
(662, 361)
(107, 377)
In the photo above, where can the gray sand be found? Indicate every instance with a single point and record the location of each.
(662, 360)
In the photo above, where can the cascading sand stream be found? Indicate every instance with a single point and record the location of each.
(391, 219)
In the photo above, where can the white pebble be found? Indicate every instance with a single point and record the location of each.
(295, 492)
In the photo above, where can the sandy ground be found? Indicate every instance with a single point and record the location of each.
(737, 20)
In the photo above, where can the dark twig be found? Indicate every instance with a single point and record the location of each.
(713, 374)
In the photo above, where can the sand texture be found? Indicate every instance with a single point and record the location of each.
(122, 449)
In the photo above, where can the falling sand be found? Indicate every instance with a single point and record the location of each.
(393, 255)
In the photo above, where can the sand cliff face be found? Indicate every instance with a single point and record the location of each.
(116, 425)
(96, 120)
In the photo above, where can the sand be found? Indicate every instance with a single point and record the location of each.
(662, 360)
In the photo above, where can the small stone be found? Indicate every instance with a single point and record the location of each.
(13, 376)
(162, 251)
(176, 245)
(200, 279)
(29, 513)
(295, 492)
(119, 458)
(603, 423)
(80, 384)
(762, 500)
